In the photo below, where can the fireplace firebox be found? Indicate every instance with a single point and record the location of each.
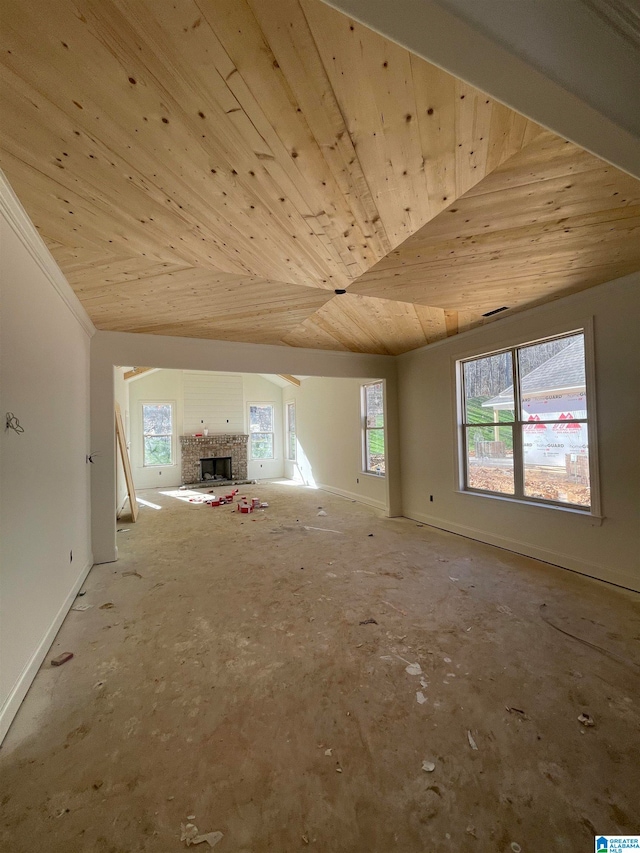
(216, 468)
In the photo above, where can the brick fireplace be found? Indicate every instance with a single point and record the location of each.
(194, 448)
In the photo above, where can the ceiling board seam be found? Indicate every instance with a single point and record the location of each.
(103, 201)
(304, 210)
(304, 121)
(477, 255)
(477, 193)
(336, 102)
(186, 117)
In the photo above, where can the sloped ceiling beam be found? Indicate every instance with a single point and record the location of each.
(135, 372)
(292, 380)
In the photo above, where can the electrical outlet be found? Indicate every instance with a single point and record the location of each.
(357, 479)
(71, 556)
(159, 473)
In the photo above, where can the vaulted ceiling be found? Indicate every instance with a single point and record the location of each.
(218, 168)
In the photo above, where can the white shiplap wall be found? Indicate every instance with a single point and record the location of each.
(216, 399)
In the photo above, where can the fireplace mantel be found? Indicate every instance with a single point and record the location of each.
(197, 447)
(229, 437)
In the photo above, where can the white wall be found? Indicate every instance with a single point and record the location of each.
(257, 389)
(220, 399)
(121, 393)
(329, 433)
(109, 348)
(214, 401)
(329, 440)
(44, 475)
(428, 440)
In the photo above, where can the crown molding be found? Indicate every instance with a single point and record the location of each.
(23, 227)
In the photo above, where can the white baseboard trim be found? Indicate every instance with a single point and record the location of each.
(564, 561)
(362, 499)
(13, 701)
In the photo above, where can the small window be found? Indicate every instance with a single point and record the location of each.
(291, 431)
(157, 428)
(373, 428)
(261, 442)
(525, 426)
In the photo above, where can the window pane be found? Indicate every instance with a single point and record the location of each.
(157, 450)
(375, 451)
(292, 445)
(374, 405)
(488, 389)
(261, 418)
(552, 380)
(157, 419)
(291, 417)
(556, 462)
(261, 445)
(490, 459)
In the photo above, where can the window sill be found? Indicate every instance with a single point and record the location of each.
(371, 474)
(168, 465)
(593, 519)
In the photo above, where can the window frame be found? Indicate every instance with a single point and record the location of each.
(289, 432)
(253, 458)
(594, 510)
(172, 435)
(365, 428)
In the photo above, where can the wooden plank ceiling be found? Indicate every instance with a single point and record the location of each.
(217, 168)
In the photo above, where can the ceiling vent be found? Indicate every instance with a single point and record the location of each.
(495, 311)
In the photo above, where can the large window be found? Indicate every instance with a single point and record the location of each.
(261, 431)
(157, 429)
(373, 428)
(525, 424)
(291, 431)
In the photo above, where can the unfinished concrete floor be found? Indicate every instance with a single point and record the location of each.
(232, 679)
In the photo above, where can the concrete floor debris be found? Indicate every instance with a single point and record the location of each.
(62, 658)
(222, 674)
(190, 835)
